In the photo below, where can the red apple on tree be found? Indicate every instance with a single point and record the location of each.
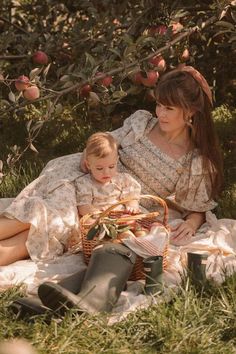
(31, 93)
(150, 79)
(137, 78)
(22, 83)
(105, 81)
(40, 57)
(85, 90)
(160, 29)
(185, 55)
(158, 61)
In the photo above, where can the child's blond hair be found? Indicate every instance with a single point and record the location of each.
(100, 145)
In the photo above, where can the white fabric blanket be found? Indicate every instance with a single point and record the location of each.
(216, 237)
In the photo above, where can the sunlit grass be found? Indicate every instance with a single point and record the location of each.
(192, 322)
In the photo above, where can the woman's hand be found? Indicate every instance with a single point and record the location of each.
(83, 165)
(183, 233)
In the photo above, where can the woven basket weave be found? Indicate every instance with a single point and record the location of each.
(143, 220)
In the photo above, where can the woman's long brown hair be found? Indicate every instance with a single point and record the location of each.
(179, 88)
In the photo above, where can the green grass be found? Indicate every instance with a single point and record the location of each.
(12, 184)
(193, 322)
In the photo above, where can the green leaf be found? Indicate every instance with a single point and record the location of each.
(119, 94)
(92, 233)
(122, 228)
(68, 84)
(106, 229)
(113, 231)
(35, 72)
(225, 24)
(115, 51)
(90, 59)
(65, 78)
(12, 97)
(33, 148)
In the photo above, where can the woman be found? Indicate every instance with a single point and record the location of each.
(175, 156)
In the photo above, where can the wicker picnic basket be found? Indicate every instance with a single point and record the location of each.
(120, 216)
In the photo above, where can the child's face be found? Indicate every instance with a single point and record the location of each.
(103, 169)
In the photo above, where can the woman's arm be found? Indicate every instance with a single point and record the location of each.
(195, 220)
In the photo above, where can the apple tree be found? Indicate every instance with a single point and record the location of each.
(68, 68)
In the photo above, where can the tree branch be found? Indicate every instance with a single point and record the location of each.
(13, 57)
(14, 25)
(123, 66)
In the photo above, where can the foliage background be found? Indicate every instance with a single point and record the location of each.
(84, 38)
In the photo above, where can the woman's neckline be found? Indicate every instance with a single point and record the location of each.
(153, 122)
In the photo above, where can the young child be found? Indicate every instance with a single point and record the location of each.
(104, 186)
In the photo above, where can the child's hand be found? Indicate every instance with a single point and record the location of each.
(183, 233)
(133, 208)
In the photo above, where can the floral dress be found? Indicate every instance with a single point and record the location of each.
(49, 203)
(101, 196)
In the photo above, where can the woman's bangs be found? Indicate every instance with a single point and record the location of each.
(167, 96)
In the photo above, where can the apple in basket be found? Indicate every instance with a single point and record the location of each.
(124, 234)
(141, 232)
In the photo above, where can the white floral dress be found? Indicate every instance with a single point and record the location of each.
(101, 196)
(49, 203)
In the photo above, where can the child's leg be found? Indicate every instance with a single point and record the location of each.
(11, 227)
(13, 249)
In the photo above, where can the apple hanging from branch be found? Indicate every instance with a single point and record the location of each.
(40, 57)
(151, 78)
(31, 93)
(22, 82)
(159, 62)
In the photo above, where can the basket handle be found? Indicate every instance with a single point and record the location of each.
(144, 196)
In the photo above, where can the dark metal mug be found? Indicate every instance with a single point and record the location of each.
(153, 269)
(197, 266)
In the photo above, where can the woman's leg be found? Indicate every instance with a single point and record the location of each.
(11, 227)
(13, 249)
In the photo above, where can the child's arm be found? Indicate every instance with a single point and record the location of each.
(132, 190)
(87, 209)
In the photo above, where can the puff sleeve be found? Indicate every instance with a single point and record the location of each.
(84, 192)
(193, 188)
(130, 188)
(133, 128)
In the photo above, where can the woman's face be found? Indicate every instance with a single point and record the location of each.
(170, 118)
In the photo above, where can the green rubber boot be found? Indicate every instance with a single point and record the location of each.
(26, 307)
(108, 271)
